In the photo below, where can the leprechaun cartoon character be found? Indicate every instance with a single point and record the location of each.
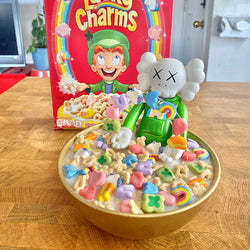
(108, 56)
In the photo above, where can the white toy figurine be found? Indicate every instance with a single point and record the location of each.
(165, 78)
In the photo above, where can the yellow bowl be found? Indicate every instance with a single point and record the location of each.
(139, 226)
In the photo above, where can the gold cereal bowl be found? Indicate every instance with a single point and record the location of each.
(138, 226)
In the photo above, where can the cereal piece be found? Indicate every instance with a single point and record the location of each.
(104, 159)
(154, 147)
(181, 171)
(165, 174)
(91, 160)
(188, 156)
(134, 208)
(107, 170)
(192, 144)
(75, 162)
(141, 141)
(113, 178)
(145, 167)
(105, 192)
(136, 149)
(153, 203)
(137, 179)
(195, 168)
(124, 206)
(97, 178)
(164, 186)
(120, 168)
(178, 182)
(202, 153)
(183, 195)
(143, 157)
(121, 101)
(80, 182)
(125, 191)
(129, 159)
(156, 181)
(112, 112)
(125, 176)
(198, 189)
(169, 200)
(149, 188)
(206, 174)
(179, 126)
(88, 192)
(112, 125)
(107, 137)
(204, 164)
(70, 171)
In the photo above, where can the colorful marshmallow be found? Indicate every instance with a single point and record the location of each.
(183, 195)
(137, 179)
(165, 174)
(152, 203)
(105, 192)
(125, 191)
(202, 153)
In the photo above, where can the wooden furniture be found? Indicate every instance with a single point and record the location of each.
(35, 211)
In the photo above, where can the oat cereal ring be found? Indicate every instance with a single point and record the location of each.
(98, 117)
(107, 170)
(80, 182)
(156, 181)
(204, 164)
(75, 162)
(111, 153)
(134, 208)
(91, 160)
(198, 189)
(107, 137)
(165, 187)
(143, 157)
(141, 141)
(108, 206)
(178, 182)
(125, 176)
(120, 168)
(181, 171)
(206, 174)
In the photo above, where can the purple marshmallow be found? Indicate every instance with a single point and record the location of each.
(145, 167)
(125, 191)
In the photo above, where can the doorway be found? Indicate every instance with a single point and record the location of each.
(191, 30)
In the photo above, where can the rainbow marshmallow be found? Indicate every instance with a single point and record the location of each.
(183, 195)
(202, 154)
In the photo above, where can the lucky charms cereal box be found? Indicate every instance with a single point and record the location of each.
(94, 47)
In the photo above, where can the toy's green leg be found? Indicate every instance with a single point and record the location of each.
(183, 113)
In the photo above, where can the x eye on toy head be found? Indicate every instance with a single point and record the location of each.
(171, 76)
(157, 73)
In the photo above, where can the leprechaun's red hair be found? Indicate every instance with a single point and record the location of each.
(99, 48)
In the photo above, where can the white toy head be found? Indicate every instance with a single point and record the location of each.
(168, 76)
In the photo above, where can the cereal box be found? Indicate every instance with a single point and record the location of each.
(94, 47)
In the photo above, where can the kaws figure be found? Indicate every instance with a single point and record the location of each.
(165, 78)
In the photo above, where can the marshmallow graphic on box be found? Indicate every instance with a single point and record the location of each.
(152, 4)
(155, 32)
(63, 30)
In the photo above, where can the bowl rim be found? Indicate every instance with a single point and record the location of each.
(211, 189)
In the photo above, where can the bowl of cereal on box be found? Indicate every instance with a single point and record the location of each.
(148, 175)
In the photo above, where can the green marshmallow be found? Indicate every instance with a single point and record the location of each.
(153, 203)
(165, 174)
(112, 125)
(196, 169)
(104, 159)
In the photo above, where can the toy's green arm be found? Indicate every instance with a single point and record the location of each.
(133, 116)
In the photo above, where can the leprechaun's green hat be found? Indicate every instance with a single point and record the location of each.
(107, 39)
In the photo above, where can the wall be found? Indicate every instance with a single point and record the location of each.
(28, 10)
(229, 58)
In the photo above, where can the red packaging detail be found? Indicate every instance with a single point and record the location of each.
(94, 49)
